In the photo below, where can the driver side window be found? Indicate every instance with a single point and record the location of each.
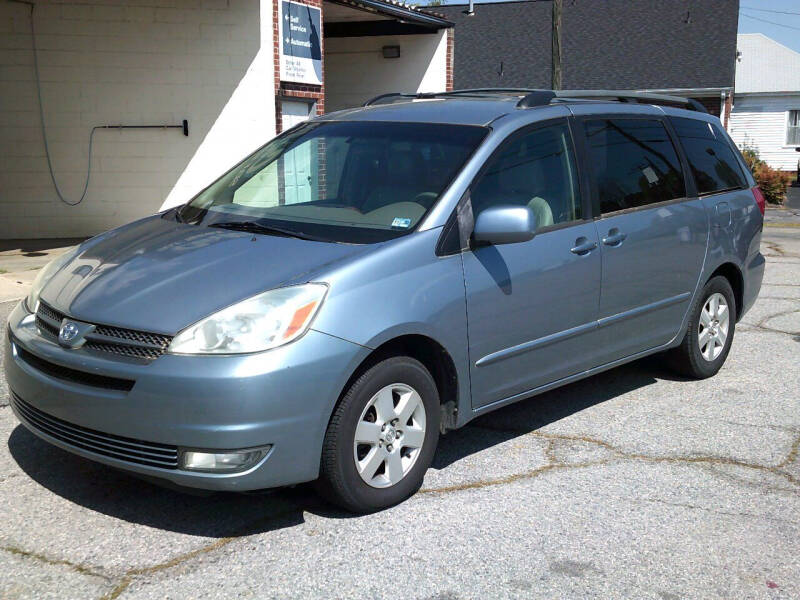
(535, 169)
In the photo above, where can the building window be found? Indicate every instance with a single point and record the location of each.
(793, 128)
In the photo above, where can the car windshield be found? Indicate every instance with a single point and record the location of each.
(339, 181)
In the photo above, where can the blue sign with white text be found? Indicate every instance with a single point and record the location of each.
(301, 43)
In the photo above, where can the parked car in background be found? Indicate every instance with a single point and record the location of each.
(375, 277)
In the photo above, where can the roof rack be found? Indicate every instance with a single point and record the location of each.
(540, 97)
(544, 97)
(475, 92)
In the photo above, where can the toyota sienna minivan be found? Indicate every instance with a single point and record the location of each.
(375, 277)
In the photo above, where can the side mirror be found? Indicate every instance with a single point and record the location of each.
(504, 225)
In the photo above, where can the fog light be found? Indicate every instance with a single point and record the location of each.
(222, 462)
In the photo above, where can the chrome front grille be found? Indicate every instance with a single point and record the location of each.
(106, 338)
(104, 444)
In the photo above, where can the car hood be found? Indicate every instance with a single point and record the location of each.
(161, 276)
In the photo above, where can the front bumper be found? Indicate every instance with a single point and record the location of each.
(282, 398)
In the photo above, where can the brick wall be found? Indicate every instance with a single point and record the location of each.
(726, 117)
(141, 61)
(450, 51)
(711, 104)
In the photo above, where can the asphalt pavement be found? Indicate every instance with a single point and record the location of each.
(631, 484)
(793, 196)
(21, 260)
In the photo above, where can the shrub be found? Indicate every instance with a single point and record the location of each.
(750, 155)
(773, 183)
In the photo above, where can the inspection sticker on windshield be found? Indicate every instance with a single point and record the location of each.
(650, 174)
(404, 223)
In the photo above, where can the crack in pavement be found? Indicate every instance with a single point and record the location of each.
(129, 576)
(781, 428)
(82, 569)
(760, 325)
(123, 582)
(711, 510)
(618, 455)
(741, 481)
(774, 247)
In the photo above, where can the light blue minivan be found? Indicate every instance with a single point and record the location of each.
(375, 277)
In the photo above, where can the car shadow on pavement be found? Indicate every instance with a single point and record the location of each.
(528, 415)
(117, 494)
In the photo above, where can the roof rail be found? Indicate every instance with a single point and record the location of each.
(544, 97)
(465, 92)
(539, 97)
(380, 99)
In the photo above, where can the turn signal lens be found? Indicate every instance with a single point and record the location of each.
(259, 323)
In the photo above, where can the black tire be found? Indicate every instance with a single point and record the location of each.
(687, 358)
(339, 480)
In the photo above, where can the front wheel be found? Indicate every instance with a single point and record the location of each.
(382, 437)
(709, 334)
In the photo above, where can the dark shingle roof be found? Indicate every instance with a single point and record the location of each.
(503, 45)
(614, 44)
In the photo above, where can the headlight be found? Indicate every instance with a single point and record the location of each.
(45, 275)
(259, 323)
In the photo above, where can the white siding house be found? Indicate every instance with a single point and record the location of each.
(766, 108)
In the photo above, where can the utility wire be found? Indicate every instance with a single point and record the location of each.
(769, 10)
(771, 22)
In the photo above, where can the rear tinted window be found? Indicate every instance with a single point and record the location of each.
(711, 157)
(634, 163)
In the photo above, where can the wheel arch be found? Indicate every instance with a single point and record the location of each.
(433, 356)
(733, 274)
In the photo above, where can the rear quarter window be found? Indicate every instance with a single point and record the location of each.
(710, 156)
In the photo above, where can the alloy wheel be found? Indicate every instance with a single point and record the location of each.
(712, 333)
(389, 435)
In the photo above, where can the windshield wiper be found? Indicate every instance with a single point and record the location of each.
(253, 227)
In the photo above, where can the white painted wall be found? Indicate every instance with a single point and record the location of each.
(140, 61)
(760, 122)
(355, 69)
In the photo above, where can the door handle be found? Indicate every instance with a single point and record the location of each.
(583, 246)
(615, 237)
